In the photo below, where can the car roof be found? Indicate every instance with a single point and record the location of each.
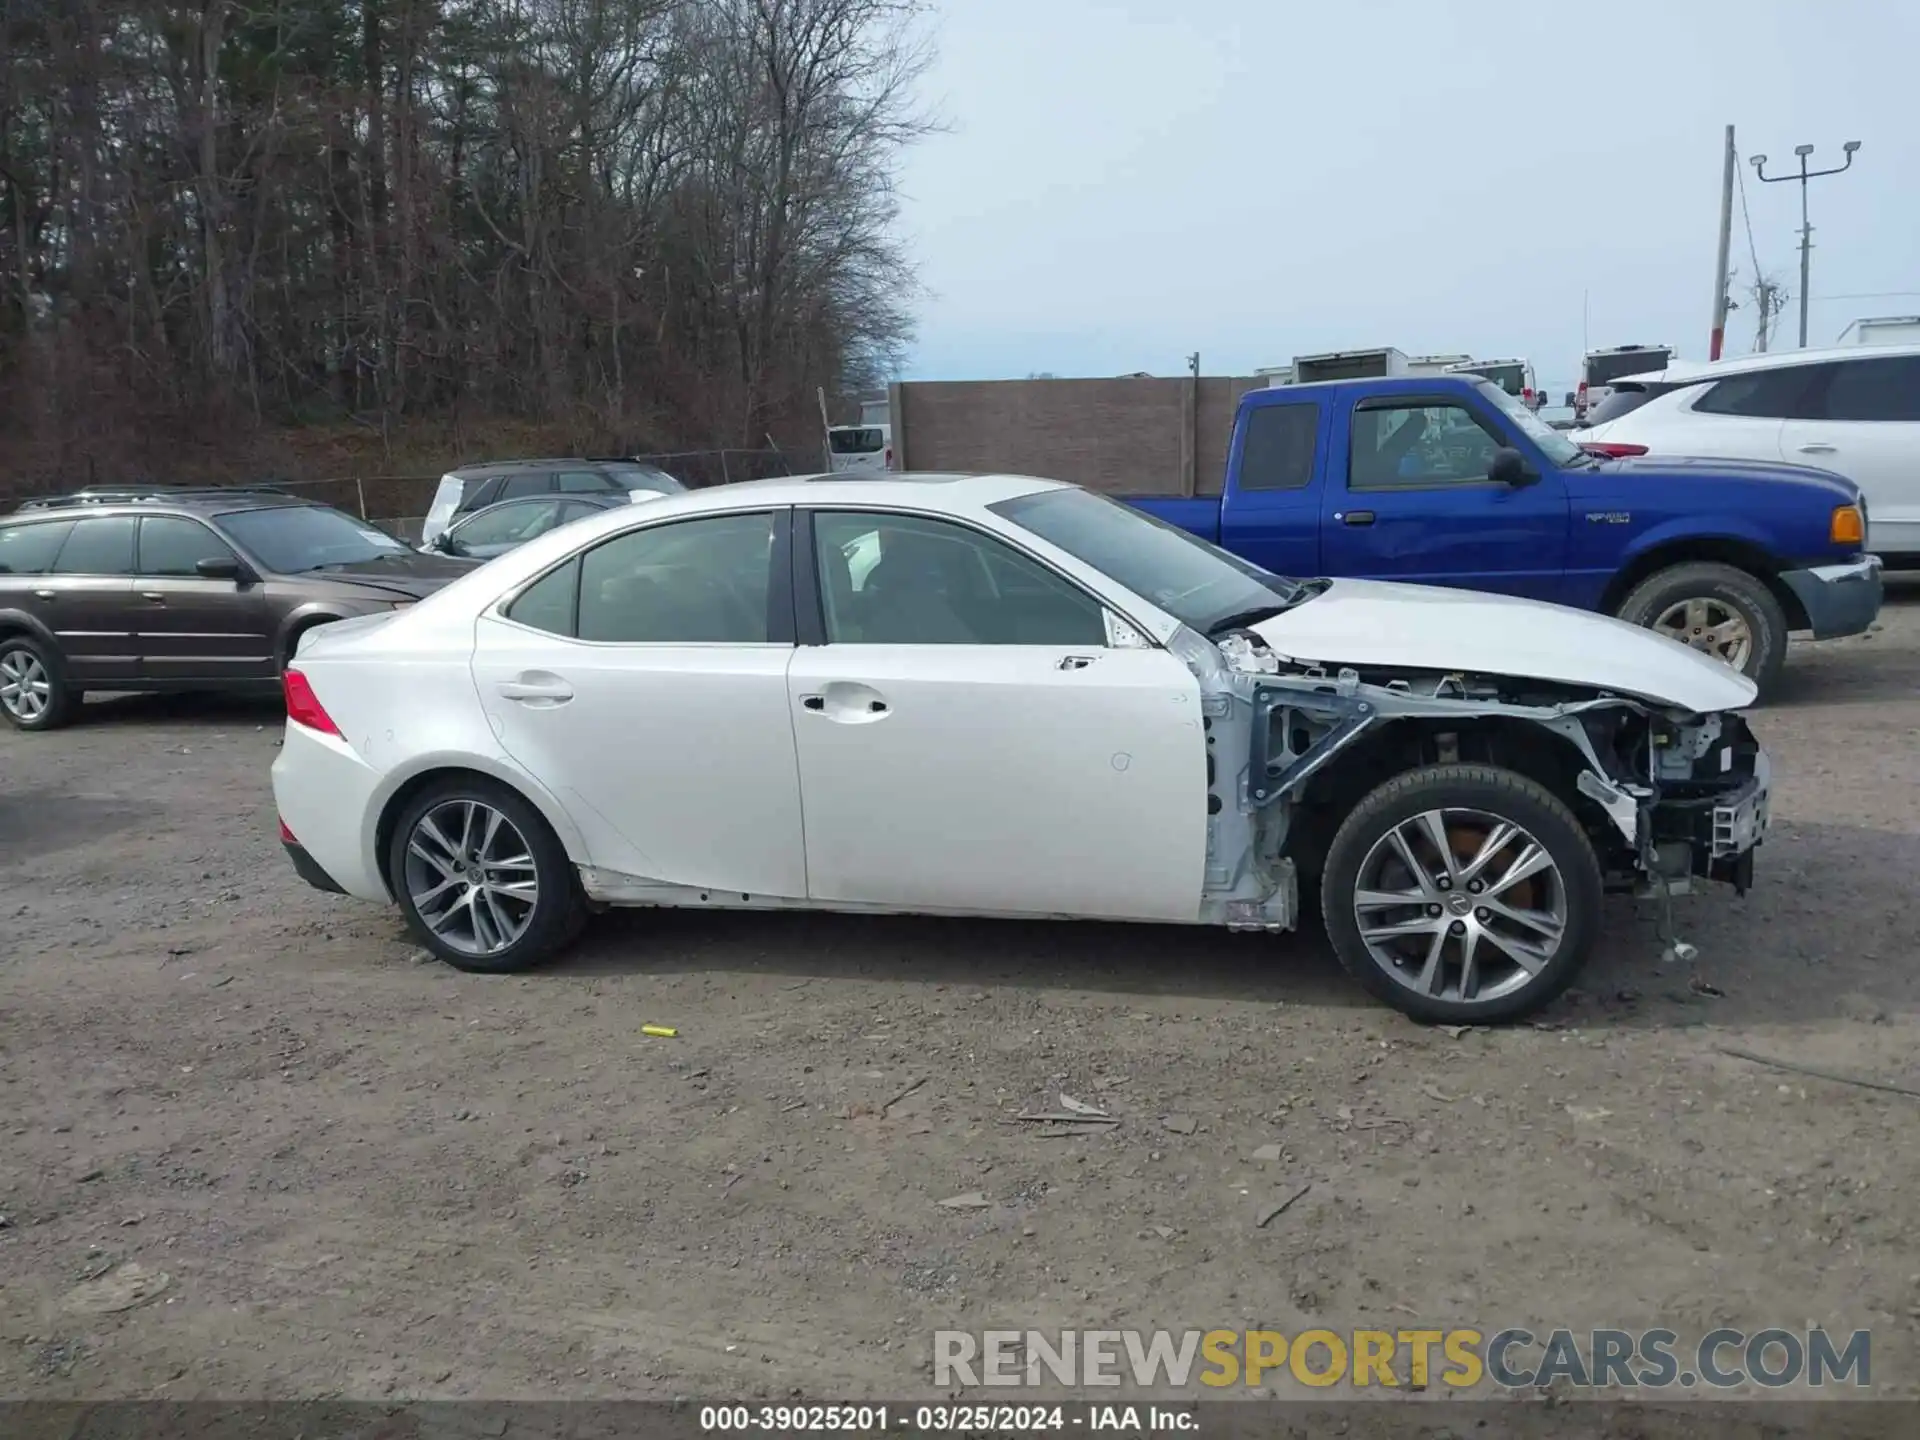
(487, 468)
(1684, 371)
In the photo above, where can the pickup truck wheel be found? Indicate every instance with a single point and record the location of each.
(1462, 893)
(1719, 610)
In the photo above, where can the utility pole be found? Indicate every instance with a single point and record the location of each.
(1726, 241)
(1767, 302)
(1806, 226)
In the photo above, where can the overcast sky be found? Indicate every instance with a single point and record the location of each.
(1126, 181)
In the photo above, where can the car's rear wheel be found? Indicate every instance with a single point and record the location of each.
(1462, 893)
(33, 685)
(1719, 610)
(481, 878)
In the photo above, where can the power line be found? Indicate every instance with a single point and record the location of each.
(1752, 250)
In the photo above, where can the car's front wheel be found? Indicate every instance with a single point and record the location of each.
(1463, 893)
(33, 686)
(481, 878)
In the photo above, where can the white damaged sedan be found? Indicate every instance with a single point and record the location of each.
(1001, 696)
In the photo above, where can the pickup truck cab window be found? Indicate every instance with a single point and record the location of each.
(904, 580)
(1418, 445)
(1277, 453)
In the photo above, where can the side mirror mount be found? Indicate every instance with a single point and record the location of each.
(443, 542)
(218, 567)
(1509, 467)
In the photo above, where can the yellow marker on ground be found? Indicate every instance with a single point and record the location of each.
(665, 1032)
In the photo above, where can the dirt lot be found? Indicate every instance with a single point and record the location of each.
(366, 1175)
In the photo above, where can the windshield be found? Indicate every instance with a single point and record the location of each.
(1605, 369)
(856, 442)
(1555, 446)
(289, 539)
(1198, 584)
(1510, 378)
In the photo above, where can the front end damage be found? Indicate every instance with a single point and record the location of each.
(1667, 797)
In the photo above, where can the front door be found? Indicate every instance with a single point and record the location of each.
(1415, 504)
(643, 683)
(88, 601)
(194, 629)
(969, 741)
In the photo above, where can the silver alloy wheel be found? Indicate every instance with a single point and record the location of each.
(1711, 626)
(1460, 905)
(471, 876)
(25, 687)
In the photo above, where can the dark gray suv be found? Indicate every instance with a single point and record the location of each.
(182, 590)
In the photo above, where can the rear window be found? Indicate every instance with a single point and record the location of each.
(1761, 394)
(1622, 400)
(856, 442)
(1605, 369)
(29, 549)
(645, 477)
(1276, 451)
(1510, 378)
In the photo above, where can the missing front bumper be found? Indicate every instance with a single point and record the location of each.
(1712, 835)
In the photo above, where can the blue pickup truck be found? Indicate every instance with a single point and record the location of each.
(1442, 480)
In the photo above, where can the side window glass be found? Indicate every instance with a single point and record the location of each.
(1277, 451)
(697, 582)
(590, 481)
(1760, 395)
(29, 549)
(519, 486)
(172, 546)
(905, 580)
(548, 604)
(98, 547)
(1413, 447)
(510, 524)
(1886, 389)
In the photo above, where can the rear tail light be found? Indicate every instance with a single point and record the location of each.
(286, 835)
(1848, 526)
(1611, 449)
(304, 707)
(888, 462)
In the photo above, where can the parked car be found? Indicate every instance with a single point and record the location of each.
(1035, 702)
(1451, 481)
(483, 534)
(1852, 409)
(474, 487)
(182, 589)
(1600, 368)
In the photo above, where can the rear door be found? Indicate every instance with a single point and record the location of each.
(1271, 512)
(191, 627)
(1861, 418)
(88, 593)
(27, 552)
(1408, 499)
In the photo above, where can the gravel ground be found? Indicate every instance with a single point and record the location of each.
(364, 1174)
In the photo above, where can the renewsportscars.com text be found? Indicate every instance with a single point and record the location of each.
(1459, 1359)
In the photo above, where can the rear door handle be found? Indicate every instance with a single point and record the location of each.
(1358, 517)
(1817, 448)
(552, 692)
(1076, 662)
(46, 594)
(156, 596)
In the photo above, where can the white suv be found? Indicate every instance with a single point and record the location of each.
(1853, 410)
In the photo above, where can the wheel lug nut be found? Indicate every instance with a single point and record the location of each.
(1446, 884)
(1474, 886)
(1483, 914)
(1459, 927)
(1433, 909)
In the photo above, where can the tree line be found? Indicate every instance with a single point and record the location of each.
(662, 222)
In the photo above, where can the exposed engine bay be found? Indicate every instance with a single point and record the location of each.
(1666, 797)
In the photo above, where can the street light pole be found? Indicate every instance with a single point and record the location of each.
(1806, 225)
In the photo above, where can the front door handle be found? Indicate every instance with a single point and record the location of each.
(1817, 448)
(814, 702)
(1358, 517)
(540, 690)
(1076, 662)
(156, 596)
(847, 702)
(46, 594)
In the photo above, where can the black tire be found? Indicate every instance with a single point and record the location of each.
(30, 653)
(1500, 795)
(1724, 586)
(559, 908)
